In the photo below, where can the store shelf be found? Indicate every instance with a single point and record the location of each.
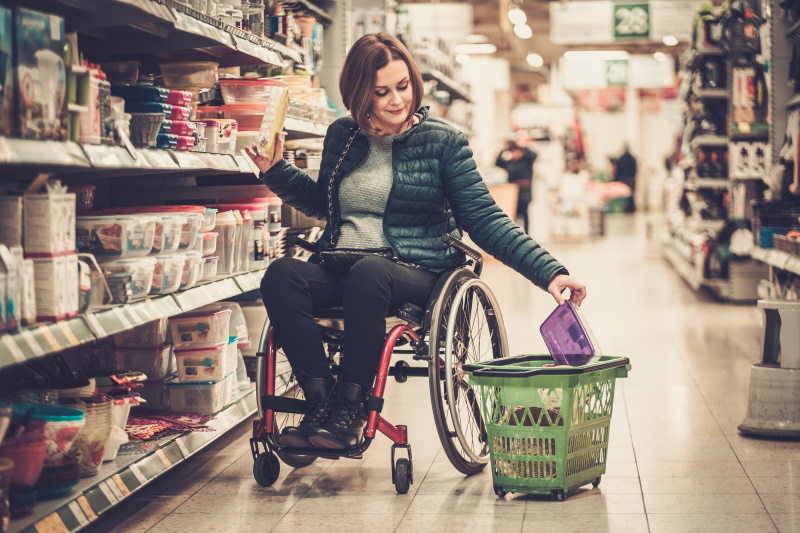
(162, 29)
(709, 140)
(300, 129)
(44, 339)
(445, 83)
(316, 11)
(99, 160)
(122, 477)
(42, 153)
(721, 94)
(682, 266)
(777, 258)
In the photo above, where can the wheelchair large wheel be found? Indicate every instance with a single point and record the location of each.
(466, 327)
(286, 385)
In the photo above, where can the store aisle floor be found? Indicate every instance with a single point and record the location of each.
(676, 461)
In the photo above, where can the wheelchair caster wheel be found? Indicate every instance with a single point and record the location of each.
(596, 481)
(266, 469)
(499, 491)
(559, 495)
(402, 475)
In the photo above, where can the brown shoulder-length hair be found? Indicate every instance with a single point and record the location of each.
(368, 55)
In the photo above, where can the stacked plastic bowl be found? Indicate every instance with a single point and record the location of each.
(90, 445)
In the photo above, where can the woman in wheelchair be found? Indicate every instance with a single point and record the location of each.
(393, 180)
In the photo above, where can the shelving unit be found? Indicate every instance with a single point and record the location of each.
(152, 31)
(721, 197)
(122, 477)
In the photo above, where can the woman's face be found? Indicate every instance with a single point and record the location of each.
(392, 98)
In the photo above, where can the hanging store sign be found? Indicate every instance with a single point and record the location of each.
(631, 21)
(599, 22)
(616, 73)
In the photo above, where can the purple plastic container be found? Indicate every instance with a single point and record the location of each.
(568, 337)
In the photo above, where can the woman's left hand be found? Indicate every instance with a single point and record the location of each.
(577, 290)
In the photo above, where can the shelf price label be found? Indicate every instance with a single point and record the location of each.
(632, 21)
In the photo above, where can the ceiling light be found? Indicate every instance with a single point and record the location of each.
(475, 38)
(462, 58)
(534, 60)
(660, 57)
(670, 40)
(596, 55)
(485, 48)
(517, 16)
(523, 31)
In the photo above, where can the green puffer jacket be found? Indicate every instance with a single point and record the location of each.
(436, 189)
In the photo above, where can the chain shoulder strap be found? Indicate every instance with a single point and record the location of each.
(333, 177)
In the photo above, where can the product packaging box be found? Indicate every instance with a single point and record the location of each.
(49, 223)
(28, 293)
(274, 118)
(41, 78)
(6, 72)
(11, 286)
(56, 287)
(11, 220)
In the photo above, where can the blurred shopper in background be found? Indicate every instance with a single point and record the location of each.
(626, 169)
(518, 162)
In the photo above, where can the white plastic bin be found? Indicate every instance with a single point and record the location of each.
(200, 397)
(200, 329)
(204, 364)
(153, 362)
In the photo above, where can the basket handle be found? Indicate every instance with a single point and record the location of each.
(487, 370)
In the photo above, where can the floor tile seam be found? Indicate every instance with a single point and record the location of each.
(413, 496)
(635, 460)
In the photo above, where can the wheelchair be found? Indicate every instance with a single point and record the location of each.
(461, 324)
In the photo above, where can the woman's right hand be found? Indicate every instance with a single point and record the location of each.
(262, 162)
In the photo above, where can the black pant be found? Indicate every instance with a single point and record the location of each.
(292, 289)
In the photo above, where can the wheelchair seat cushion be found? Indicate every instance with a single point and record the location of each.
(407, 312)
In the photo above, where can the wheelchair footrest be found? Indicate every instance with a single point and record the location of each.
(284, 405)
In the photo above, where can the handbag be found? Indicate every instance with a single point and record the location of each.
(340, 260)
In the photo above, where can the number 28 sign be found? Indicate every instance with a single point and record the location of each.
(631, 20)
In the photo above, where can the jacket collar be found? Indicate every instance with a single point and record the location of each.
(423, 113)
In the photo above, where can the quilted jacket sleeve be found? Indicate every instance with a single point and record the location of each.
(296, 188)
(487, 225)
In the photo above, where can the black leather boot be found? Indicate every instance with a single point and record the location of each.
(345, 425)
(319, 392)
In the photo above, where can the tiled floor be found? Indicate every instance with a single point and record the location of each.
(676, 461)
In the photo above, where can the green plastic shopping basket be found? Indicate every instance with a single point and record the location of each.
(547, 427)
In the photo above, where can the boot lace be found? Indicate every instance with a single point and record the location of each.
(344, 414)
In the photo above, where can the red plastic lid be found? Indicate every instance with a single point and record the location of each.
(210, 235)
(262, 200)
(213, 123)
(157, 209)
(241, 207)
(251, 81)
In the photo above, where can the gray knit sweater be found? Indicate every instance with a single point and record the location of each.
(363, 195)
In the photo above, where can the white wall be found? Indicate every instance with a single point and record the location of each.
(491, 93)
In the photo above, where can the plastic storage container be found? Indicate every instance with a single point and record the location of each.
(159, 108)
(141, 271)
(209, 219)
(185, 142)
(177, 97)
(568, 337)
(123, 236)
(193, 214)
(153, 362)
(62, 425)
(226, 242)
(189, 75)
(198, 243)
(122, 72)
(168, 233)
(247, 116)
(200, 397)
(191, 269)
(200, 329)
(210, 267)
(228, 130)
(168, 273)
(210, 242)
(203, 364)
(140, 93)
(547, 428)
(166, 141)
(181, 127)
(258, 92)
(151, 335)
